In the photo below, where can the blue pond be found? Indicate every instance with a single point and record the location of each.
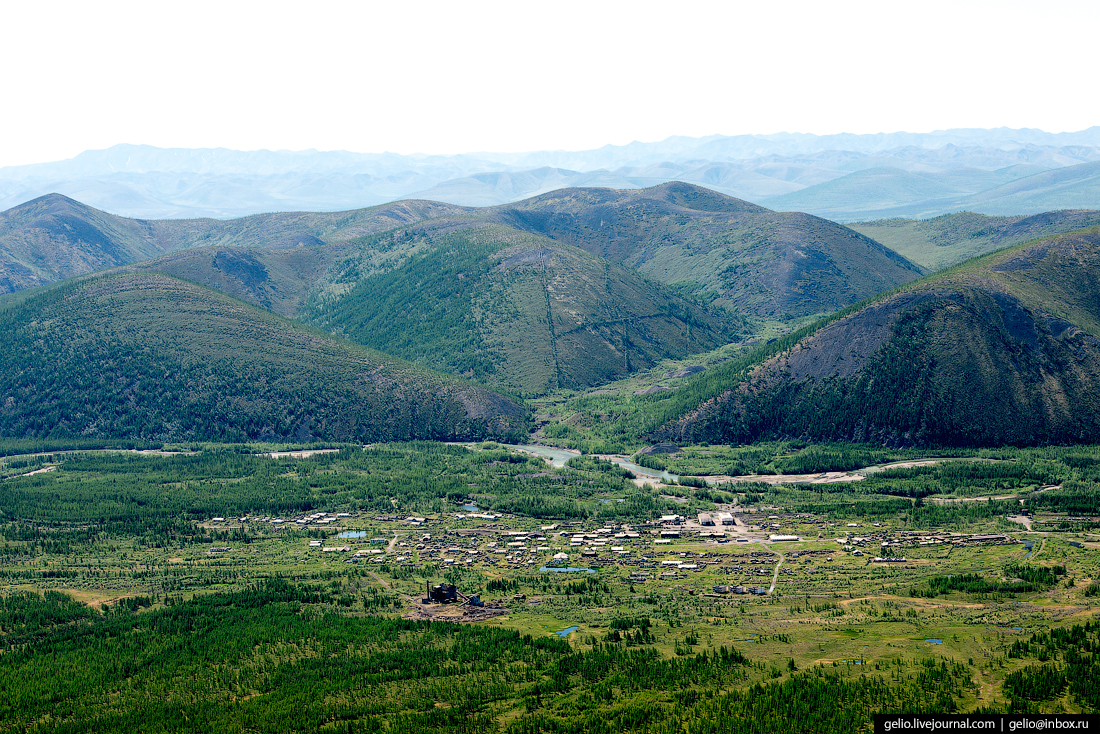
(353, 534)
(558, 569)
(608, 502)
(935, 640)
(470, 508)
(565, 632)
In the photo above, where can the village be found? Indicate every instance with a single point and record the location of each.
(714, 554)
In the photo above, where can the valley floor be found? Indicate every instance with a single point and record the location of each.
(283, 588)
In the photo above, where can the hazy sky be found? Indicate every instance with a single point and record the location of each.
(449, 77)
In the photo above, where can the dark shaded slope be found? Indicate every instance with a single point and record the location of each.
(1003, 350)
(516, 310)
(277, 280)
(148, 356)
(53, 237)
(741, 255)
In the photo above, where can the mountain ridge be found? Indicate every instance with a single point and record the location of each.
(147, 182)
(686, 241)
(54, 237)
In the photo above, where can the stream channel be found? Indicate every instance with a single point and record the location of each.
(559, 457)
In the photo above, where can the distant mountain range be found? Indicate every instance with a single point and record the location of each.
(843, 177)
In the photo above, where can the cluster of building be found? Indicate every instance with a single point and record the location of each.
(317, 519)
(758, 590)
(855, 543)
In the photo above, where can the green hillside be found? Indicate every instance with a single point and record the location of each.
(712, 247)
(433, 283)
(277, 280)
(53, 237)
(721, 249)
(514, 310)
(148, 356)
(952, 238)
(1000, 350)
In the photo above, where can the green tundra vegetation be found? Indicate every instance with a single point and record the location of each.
(529, 297)
(276, 657)
(54, 237)
(720, 249)
(999, 350)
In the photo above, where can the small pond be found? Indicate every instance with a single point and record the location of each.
(352, 534)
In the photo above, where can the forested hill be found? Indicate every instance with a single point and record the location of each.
(1000, 350)
(144, 355)
(719, 248)
(568, 290)
(712, 246)
(516, 310)
(952, 238)
(54, 237)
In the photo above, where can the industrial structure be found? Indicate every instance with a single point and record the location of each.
(449, 594)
